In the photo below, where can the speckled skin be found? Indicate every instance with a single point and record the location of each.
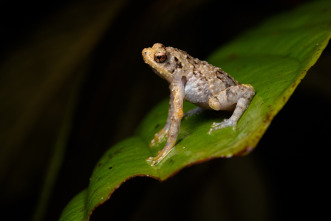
(197, 82)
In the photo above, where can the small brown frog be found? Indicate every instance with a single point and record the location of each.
(198, 82)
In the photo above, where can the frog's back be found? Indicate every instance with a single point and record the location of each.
(205, 80)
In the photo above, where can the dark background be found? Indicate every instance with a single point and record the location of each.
(69, 66)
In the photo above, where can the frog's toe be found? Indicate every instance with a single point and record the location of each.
(225, 123)
(158, 138)
(160, 155)
(153, 142)
(153, 160)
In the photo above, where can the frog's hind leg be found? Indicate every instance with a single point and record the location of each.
(235, 97)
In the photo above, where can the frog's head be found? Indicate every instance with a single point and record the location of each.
(160, 60)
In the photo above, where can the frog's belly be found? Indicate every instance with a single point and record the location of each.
(197, 94)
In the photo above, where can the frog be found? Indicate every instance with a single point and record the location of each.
(198, 82)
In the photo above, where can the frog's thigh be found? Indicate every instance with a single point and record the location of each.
(228, 98)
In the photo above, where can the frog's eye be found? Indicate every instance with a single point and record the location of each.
(160, 57)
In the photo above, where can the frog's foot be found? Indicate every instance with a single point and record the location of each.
(155, 160)
(225, 123)
(161, 154)
(159, 138)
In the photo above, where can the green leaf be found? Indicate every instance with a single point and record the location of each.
(76, 209)
(273, 57)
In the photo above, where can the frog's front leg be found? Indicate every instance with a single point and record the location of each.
(162, 134)
(240, 96)
(175, 117)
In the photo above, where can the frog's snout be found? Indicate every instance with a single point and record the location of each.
(144, 52)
